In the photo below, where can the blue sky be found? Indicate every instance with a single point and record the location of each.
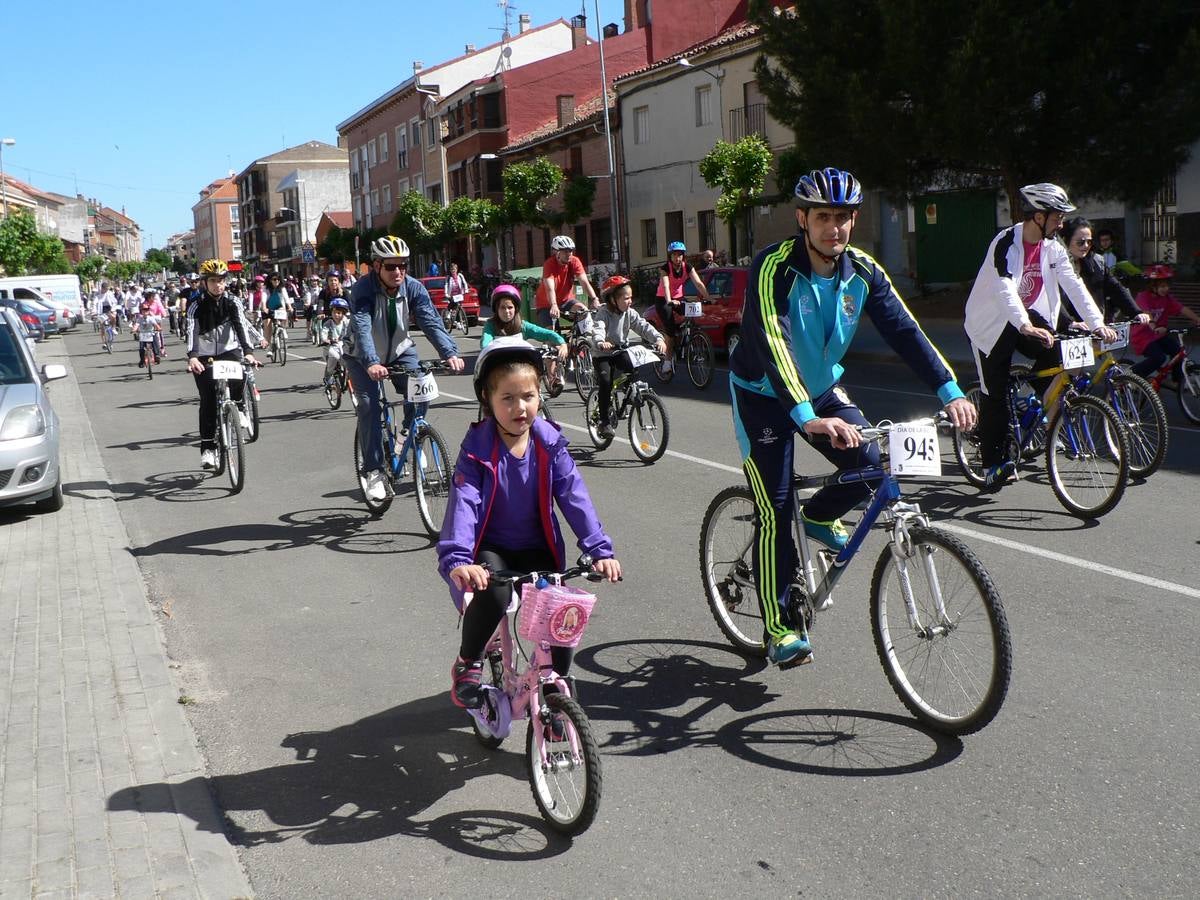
(141, 104)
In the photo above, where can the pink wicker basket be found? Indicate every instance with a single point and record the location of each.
(556, 615)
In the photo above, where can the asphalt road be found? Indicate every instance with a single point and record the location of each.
(313, 644)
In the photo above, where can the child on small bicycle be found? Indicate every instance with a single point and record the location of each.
(512, 467)
(1152, 340)
(333, 333)
(506, 320)
(147, 321)
(674, 274)
(613, 322)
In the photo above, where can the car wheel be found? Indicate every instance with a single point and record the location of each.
(54, 502)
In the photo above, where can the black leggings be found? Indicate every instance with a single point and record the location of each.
(207, 388)
(993, 370)
(605, 366)
(487, 609)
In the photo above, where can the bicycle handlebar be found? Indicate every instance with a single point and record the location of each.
(513, 578)
(424, 367)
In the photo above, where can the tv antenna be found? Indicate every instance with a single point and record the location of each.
(504, 60)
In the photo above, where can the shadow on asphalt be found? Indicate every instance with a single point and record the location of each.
(170, 487)
(665, 689)
(334, 529)
(368, 781)
(173, 440)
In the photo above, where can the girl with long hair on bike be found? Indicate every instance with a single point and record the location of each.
(512, 468)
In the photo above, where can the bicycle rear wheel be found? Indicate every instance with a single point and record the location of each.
(1139, 407)
(951, 666)
(661, 371)
(727, 569)
(1087, 456)
(493, 674)
(431, 478)
(585, 373)
(591, 415)
(567, 788)
(1189, 391)
(231, 431)
(699, 356)
(375, 507)
(966, 446)
(649, 428)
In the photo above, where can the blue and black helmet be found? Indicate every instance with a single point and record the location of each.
(339, 303)
(677, 246)
(828, 187)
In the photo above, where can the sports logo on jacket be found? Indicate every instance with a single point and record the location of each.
(848, 306)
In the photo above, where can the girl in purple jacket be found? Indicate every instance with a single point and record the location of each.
(512, 468)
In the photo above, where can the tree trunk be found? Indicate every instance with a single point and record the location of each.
(1014, 197)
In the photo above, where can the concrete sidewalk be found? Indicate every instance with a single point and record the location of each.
(88, 707)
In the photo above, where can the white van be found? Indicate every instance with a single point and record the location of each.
(61, 290)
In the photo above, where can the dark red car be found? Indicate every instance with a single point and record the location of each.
(722, 319)
(436, 285)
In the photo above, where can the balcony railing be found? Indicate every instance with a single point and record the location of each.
(747, 120)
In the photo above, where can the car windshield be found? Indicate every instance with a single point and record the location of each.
(13, 369)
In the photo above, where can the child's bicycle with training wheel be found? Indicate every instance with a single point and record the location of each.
(422, 446)
(649, 427)
(936, 617)
(691, 347)
(1086, 445)
(562, 753)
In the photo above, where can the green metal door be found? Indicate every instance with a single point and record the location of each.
(953, 232)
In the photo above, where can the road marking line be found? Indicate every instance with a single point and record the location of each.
(1052, 555)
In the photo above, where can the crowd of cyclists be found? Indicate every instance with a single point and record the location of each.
(805, 298)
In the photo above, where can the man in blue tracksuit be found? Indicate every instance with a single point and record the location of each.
(379, 309)
(803, 302)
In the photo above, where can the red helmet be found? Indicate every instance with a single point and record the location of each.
(612, 282)
(1158, 272)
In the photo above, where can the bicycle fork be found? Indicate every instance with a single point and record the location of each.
(903, 550)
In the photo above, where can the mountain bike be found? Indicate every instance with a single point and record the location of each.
(422, 444)
(279, 342)
(455, 317)
(579, 349)
(231, 453)
(1086, 446)
(649, 426)
(937, 619)
(250, 398)
(562, 753)
(691, 347)
(1188, 388)
(1132, 398)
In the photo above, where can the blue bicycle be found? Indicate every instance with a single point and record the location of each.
(422, 452)
(939, 625)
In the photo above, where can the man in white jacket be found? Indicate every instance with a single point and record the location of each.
(1013, 306)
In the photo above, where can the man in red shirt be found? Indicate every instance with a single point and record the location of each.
(560, 274)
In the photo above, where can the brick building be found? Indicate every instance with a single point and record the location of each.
(217, 221)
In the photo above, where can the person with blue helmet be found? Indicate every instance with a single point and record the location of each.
(334, 329)
(673, 275)
(804, 299)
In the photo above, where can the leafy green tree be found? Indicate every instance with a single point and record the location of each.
(23, 249)
(527, 187)
(739, 171)
(579, 195)
(90, 267)
(419, 221)
(911, 93)
(161, 259)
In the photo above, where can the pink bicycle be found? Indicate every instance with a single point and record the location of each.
(562, 753)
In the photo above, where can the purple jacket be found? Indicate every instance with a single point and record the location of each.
(472, 498)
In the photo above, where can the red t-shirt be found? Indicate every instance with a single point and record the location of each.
(1160, 309)
(1030, 287)
(564, 281)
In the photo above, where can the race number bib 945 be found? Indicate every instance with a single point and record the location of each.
(227, 370)
(914, 450)
(1077, 353)
(422, 388)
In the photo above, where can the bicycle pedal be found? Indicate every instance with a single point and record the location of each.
(794, 663)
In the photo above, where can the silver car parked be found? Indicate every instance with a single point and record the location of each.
(29, 432)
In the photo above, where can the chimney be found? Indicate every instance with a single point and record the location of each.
(417, 66)
(611, 30)
(579, 36)
(637, 15)
(470, 48)
(523, 23)
(566, 109)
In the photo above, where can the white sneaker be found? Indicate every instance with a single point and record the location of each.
(376, 488)
(208, 459)
(244, 419)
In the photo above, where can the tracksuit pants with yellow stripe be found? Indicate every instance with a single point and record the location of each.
(765, 435)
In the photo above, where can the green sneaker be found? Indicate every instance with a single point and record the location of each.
(790, 648)
(832, 534)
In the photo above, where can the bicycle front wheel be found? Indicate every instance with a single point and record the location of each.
(231, 432)
(1189, 391)
(949, 658)
(431, 478)
(1139, 407)
(699, 355)
(493, 675)
(375, 507)
(585, 373)
(567, 786)
(333, 390)
(727, 569)
(283, 346)
(966, 446)
(649, 428)
(1087, 456)
(250, 398)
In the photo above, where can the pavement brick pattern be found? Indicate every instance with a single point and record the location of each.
(88, 709)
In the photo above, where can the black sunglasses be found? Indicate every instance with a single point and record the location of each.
(392, 267)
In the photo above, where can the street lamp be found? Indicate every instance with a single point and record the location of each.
(5, 142)
(608, 145)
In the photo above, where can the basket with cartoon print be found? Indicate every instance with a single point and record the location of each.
(556, 614)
